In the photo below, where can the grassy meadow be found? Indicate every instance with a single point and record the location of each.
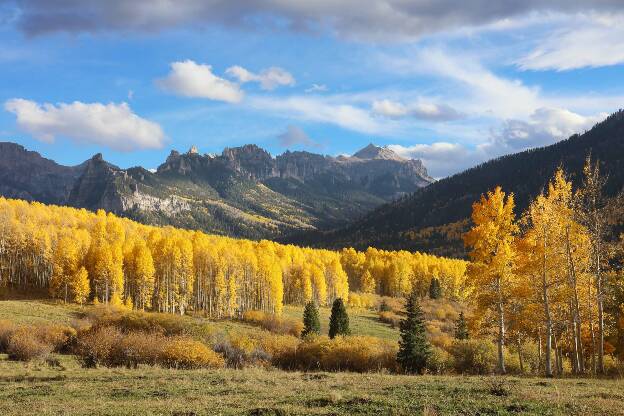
(63, 386)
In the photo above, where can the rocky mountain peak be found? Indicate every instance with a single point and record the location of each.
(193, 150)
(376, 152)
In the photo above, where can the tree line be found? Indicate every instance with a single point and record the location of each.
(81, 256)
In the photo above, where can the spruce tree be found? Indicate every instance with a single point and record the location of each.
(435, 290)
(339, 320)
(311, 322)
(461, 328)
(414, 349)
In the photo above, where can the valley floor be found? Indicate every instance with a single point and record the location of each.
(70, 389)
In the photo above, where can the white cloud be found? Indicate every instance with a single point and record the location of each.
(111, 125)
(190, 79)
(441, 158)
(294, 136)
(419, 110)
(545, 126)
(269, 78)
(584, 41)
(316, 88)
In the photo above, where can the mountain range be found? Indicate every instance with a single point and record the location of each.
(433, 219)
(244, 192)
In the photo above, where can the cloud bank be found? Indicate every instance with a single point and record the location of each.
(111, 125)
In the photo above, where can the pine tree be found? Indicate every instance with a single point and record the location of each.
(435, 290)
(461, 328)
(414, 350)
(311, 322)
(339, 320)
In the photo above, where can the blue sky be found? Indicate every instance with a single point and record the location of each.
(452, 83)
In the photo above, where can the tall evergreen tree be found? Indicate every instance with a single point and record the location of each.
(339, 320)
(311, 322)
(435, 290)
(461, 328)
(414, 349)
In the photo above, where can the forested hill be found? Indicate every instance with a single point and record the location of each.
(433, 219)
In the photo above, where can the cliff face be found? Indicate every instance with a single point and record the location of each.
(26, 175)
(242, 192)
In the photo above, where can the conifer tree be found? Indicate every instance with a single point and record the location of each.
(461, 328)
(435, 291)
(339, 320)
(311, 322)
(414, 350)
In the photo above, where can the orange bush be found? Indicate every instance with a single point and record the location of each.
(360, 354)
(188, 353)
(25, 345)
(6, 329)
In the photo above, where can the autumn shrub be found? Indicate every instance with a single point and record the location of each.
(95, 346)
(187, 353)
(243, 350)
(6, 329)
(390, 318)
(473, 356)
(358, 354)
(60, 337)
(273, 323)
(613, 366)
(25, 344)
(439, 361)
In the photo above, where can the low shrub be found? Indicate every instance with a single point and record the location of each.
(439, 361)
(60, 337)
(6, 329)
(188, 353)
(110, 347)
(273, 323)
(243, 350)
(358, 354)
(25, 344)
(473, 356)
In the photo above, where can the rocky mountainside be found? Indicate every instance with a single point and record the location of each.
(434, 218)
(243, 192)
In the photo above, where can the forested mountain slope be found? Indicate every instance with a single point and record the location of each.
(433, 219)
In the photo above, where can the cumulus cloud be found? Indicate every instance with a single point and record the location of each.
(441, 158)
(545, 126)
(190, 79)
(269, 78)
(111, 125)
(294, 136)
(379, 20)
(588, 41)
(420, 110)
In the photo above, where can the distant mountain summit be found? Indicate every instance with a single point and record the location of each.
(243, 192)
(375, 152)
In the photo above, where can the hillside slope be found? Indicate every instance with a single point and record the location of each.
(432, 219)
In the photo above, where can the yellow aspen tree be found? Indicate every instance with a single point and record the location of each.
(491, 240)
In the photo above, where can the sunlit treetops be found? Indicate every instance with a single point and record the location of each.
(81, 256)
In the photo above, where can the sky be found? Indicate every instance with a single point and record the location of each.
(453, 83)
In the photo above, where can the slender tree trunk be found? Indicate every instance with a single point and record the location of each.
(539, 350)
(501, 329)
(601, 369)
(520, 354)
(549, 332)
(579, 361)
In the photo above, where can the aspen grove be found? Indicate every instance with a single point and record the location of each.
(80, 256)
